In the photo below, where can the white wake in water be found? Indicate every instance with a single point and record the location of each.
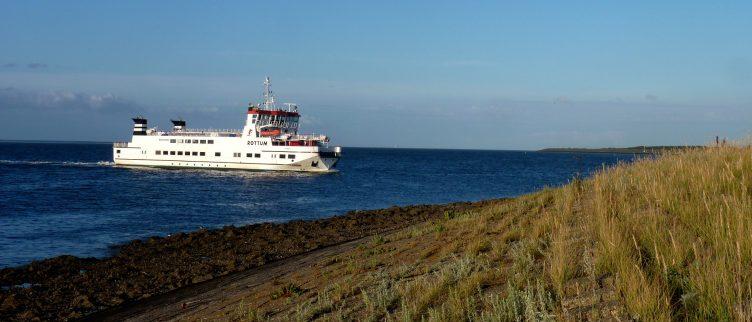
(60, 163)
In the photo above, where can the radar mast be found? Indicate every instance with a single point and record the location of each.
(268, 95)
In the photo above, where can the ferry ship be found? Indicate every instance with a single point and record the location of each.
(268, 141)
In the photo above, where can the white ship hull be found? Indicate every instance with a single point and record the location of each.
(321, 165)
(223, 153)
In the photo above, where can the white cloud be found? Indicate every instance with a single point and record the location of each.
(12, 98)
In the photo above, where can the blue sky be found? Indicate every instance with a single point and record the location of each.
(493, 75)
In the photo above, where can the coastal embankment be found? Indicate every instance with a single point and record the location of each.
(67, 287)
(658, 239)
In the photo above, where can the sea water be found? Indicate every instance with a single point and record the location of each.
(69, 198)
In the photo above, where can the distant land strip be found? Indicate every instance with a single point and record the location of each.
(629, 150)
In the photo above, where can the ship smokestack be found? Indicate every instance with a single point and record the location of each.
(139, 126)
(178, 125)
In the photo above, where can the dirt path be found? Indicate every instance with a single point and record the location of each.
(212, 298)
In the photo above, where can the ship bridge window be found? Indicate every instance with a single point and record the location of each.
(203, 141)
(187, 153)
(172, 140)
(216, 154)
(211, 141)
(118, 151)
(194, 153)
(187, 141)
(281, 156)
(258, 155)
(158, 152)
(165, 152)
(202, 154)
(195, 141)
(172, 152)
(236, 155)
(180, 152)
(291, 156)
(249, 155)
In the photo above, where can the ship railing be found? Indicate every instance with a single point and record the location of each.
(308, 137)
(120, 144)
(201, 132)
(281, 124)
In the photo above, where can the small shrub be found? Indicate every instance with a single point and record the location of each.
(377, 240)
(288, 290)
(479, 247)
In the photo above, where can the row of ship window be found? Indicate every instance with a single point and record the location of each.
(180, 153)
(192, 141)
(218, 154)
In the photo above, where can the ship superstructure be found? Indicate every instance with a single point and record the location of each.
(268, 141)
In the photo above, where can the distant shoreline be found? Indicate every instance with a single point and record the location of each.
(627, 150)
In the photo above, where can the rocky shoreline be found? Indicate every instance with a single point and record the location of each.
(68, 287)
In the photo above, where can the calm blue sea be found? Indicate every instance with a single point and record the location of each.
(64, 198)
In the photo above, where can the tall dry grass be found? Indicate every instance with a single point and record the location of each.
(689, 216)
(671, 234)
(675, 231)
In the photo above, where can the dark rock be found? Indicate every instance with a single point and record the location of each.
(9, 303)
(82, 301)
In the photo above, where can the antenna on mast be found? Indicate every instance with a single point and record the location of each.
(268, 95)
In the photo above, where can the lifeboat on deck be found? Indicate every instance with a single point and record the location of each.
(270, 131)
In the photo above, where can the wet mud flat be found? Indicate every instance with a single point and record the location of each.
(68, 287)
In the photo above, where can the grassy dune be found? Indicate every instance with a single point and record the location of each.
(665, 238)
